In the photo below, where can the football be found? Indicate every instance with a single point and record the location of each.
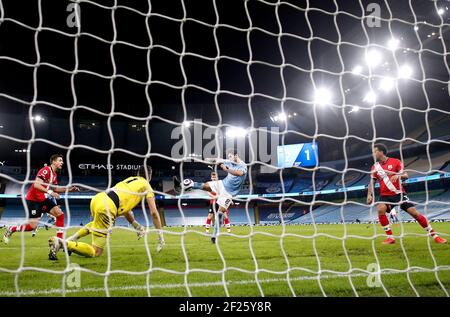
(188, 184)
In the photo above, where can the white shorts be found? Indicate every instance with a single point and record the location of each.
(224, 199)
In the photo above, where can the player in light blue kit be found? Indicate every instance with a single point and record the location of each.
(225, 189)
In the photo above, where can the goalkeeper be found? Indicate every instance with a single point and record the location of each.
(106, 207)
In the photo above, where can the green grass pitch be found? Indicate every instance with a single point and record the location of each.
(128, 264)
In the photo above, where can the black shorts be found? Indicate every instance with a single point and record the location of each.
(396, 200)
(37, 208)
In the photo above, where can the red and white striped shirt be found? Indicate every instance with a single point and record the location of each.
(383, 172)
(48, 177)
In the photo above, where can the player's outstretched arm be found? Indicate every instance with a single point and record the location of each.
(156, 221)
(214, 160)
(401, 174)
(129, 216)
(231, 171)
(63, 189)
(370, 192)
(39, 185)
(136, 225)
(154, 212)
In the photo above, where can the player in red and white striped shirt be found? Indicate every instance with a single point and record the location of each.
(226, 218)
(389, 172)
(42, 199)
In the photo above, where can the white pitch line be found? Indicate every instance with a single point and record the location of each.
(208, 284)
(116, 246)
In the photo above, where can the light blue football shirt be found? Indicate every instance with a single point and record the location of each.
(232, 183)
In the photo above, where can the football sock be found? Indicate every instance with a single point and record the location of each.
(384, 221)
(21, 228)
(226, 222)
(80, 233)
(60, 226)
(422, 220)
(81, 248)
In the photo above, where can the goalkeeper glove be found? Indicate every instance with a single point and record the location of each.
(140, 229)
(140, 233)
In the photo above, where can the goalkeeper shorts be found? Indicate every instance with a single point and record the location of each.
(104, 214)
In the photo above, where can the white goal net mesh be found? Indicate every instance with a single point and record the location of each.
(386, 60)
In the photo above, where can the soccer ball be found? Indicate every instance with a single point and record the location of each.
(188, 184)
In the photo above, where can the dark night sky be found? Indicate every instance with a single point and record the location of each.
(190, 60)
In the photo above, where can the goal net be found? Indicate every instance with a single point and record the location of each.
(302, 90)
